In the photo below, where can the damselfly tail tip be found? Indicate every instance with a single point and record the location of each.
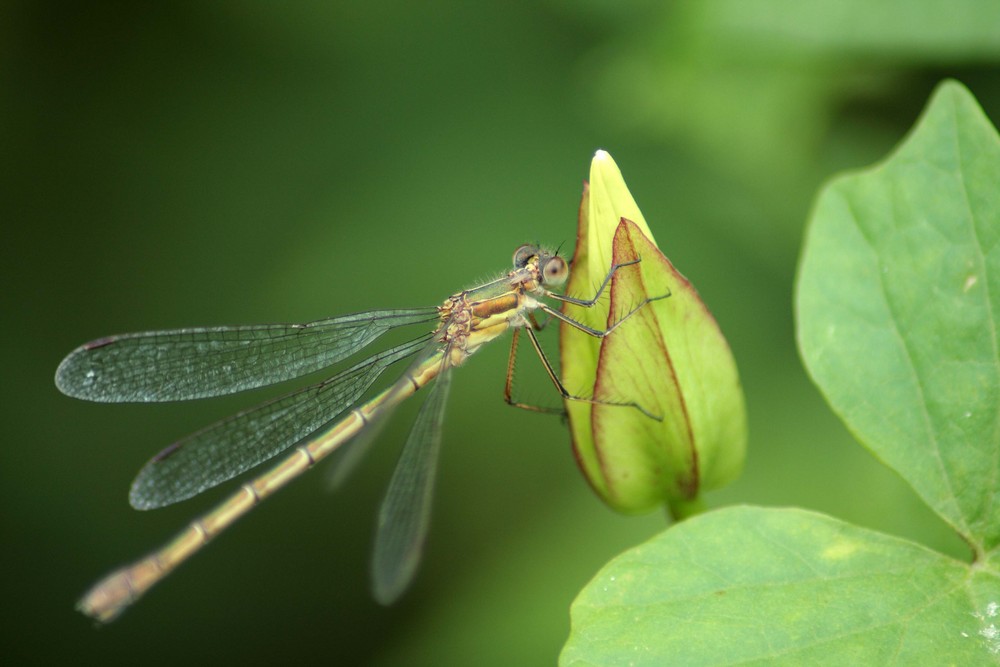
(107, 599)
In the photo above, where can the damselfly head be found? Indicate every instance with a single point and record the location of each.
(552, 269)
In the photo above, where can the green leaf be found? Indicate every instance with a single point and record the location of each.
(754, 586)
(897, 304)
(668, 359)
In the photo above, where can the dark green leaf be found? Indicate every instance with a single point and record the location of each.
(898, 298)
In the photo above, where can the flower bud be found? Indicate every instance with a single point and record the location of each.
(669, 418)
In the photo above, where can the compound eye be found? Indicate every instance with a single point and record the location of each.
(555, 271)
(523, 254)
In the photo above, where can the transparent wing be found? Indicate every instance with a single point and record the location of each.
(405, 512)
(184, 364)
(234, 445)
(346, 458)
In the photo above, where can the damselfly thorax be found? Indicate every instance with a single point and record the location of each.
(475, 316)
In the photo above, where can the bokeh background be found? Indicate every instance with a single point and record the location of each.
(205, 163)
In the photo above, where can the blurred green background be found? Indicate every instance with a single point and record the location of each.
(195, 163)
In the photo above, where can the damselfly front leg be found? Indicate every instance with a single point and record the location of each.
(533, 325)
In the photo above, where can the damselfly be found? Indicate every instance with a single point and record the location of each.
(315, 421)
